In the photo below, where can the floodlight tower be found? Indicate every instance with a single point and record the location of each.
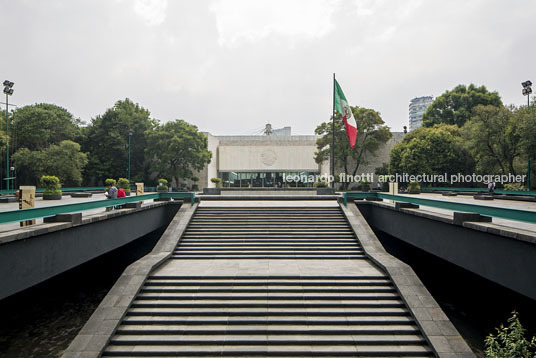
(8, 90)
(527, 90)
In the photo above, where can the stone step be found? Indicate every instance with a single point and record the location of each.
(234, 290)
(267, 330)
(278, 351)
(280, 305)
(269, 312)
(271, 230)
(265, 235)
(267, 239)
(271, 257)
(263, 225)
(195, 243)
(255, 320)
(406, 339)
(231, 296)
(229, 283)
(242, 249)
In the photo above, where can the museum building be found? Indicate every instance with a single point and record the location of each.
(257, 161)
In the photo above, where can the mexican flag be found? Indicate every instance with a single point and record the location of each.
(342, 106)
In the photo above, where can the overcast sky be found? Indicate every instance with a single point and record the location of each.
(230, 66)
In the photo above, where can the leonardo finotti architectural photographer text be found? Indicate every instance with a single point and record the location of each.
(406, 178)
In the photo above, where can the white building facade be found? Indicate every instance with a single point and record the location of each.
(417, 107)
(261, 161)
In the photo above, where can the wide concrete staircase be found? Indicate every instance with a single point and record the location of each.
(268, 315)
(261, 233)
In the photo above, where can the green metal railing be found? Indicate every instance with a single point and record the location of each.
(486, 210)
(37, 213)
(480, 190)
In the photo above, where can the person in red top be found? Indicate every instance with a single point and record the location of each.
(120, 193)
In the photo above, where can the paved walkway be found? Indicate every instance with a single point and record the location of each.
(467, 199)
(40, 203)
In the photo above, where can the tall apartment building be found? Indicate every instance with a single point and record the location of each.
(417, 107)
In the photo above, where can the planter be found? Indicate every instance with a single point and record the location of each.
(325, 191)
(127, 193)
(52, 197)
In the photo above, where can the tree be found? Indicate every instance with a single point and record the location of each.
(432, 151)
(371, 134)
(106, 140)
(40, 125)
(493, 138)
(456, 106)
(177, 149)
(526, 117)
(64, 161)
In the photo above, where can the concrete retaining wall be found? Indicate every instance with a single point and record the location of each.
(504, 256)
(32, 255)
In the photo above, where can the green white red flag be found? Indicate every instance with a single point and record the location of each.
(342, 106)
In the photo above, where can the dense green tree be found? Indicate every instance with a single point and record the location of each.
(106, 139)
(493, 138)
(371, 134)
(63, 160)
(526, 117)
(432, 151)
(40, 125)
(456, 106)
(177, 149)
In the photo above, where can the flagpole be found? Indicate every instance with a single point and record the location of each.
(333, 137)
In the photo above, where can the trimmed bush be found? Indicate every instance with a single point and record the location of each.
(320, 184)
(52, 186)
(414, 187)
(216, 181)
(162, 185)
(364, 185)
(123, 183)
(109, 181)
(514, 187)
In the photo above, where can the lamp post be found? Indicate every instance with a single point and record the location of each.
(8, 90)
(129, 137)
(527, 90)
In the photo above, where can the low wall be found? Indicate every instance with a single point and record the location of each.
(34, 254)
(497, 253)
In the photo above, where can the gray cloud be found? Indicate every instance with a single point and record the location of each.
(230, 66)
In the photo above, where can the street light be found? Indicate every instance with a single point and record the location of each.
(527, 90)
(129, 136)
(8, 90)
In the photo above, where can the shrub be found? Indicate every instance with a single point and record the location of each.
(320, 184)
(124, 183)
(162, 184)
(364, 185)
(51, 184)
(514, 187)
(510, 341)
(216, 181)
(414, 187)
(109, 181)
